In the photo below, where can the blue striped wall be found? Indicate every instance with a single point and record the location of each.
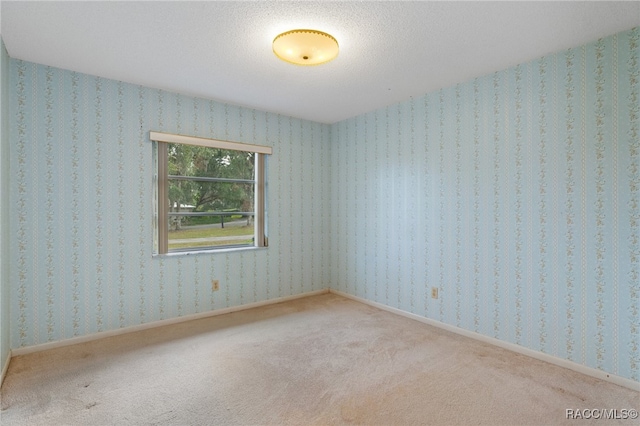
(81, 207)
(516, 194)
(5, 346)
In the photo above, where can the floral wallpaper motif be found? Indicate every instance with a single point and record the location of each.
(516, 194)
(632, 255)
(5, 247)
(81, 203)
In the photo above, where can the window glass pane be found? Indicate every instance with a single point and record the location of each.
(190, 196)
(190, 160)
(211, 196)
(213, 231)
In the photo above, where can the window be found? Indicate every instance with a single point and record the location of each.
(210, 194)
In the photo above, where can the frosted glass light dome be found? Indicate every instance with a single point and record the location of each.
(305, 47)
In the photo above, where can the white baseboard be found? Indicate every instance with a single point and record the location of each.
(5, 367)
(101, 335)
(598, 374)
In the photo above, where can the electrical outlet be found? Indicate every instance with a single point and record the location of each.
(434, 292)
(215, 285)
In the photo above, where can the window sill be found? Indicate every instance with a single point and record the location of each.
(201, 252)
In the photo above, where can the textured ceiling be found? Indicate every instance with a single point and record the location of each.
(390, 51)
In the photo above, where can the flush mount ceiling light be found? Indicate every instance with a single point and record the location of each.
(305, 47)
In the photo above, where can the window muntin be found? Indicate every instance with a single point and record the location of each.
(208, 196)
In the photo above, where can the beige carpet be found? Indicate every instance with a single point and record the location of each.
(320, 360)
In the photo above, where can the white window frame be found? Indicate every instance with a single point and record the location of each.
(161, 203)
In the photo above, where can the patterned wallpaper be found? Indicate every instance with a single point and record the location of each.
(81, 194)
(516, 194)
(4, 206)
